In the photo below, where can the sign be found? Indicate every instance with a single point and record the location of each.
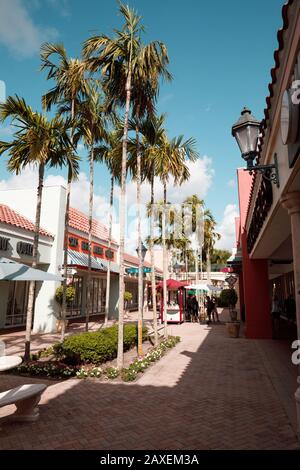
(24, 248)
(231, 280)
(136, 270)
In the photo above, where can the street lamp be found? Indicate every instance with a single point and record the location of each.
(246, 132)
(143, 251)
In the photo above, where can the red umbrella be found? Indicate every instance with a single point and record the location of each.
(172, 284)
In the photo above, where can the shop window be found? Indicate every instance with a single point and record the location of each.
(85, 246)
(73, 242)
(74, 310)
(109, 254)
(17, 303)
(98, 250)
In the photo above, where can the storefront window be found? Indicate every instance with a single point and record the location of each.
(17, 303)
(75, 309)
(98, 292)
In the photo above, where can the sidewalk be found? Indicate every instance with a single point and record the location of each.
(209, 392)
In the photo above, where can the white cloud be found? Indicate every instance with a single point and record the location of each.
(2, 91)
(227, 228)
(201, 174)
(18, 31)
(231, 184)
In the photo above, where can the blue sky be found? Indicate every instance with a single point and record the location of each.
(221, 54)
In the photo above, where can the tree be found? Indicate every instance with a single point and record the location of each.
(92, 125)
(116, 58)
(40, 142)
(110, 153)
(210, 237)
(171, 160)
(71, 86)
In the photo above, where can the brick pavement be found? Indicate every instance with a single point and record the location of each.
(210, 392)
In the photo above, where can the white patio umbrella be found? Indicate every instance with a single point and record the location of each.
(10, 270)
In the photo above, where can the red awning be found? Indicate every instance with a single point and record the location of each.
(172, 284)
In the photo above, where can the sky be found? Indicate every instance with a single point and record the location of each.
(221, 54)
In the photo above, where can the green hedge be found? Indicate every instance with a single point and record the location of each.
(96, 347)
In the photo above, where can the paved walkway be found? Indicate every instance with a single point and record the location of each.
(209, 392)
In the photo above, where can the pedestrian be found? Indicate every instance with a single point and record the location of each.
(276, 311)
(195, 309)
(189, 308)
(209, 308)
(215, 315)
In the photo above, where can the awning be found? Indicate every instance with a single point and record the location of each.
(114, 267)
(203, 287)
(10, 270)
(172, 284)
(81, 259)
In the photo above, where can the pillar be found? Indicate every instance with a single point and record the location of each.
(256, 295)
(291, 202)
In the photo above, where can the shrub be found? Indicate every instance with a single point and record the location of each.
(228, 298)
(95, 347)
(128, 375)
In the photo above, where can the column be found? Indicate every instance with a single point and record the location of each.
(256, 295)
(291, 202)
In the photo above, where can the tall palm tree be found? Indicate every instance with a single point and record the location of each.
(40, 142)
(110, 153)
(171, 160)
(150, 64)
(71, 85)
(197, 206)
(210, 237)
(116, 58)
(152, 130)
(92, 125)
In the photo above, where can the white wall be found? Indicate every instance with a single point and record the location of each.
(52, 220)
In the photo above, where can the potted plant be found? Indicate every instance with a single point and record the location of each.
(229, 299)
(70, 296)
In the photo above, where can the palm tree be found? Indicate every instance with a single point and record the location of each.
(152, 130)
(71, 86)
(210, 237)
(92, 125)
(116, 57)
(171, 160)
(197, 206)
(110, 152)
(40, 142)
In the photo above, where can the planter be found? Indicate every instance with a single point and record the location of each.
(233, 329)
(233, 315)
(59, 325)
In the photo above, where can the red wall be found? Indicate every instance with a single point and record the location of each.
(80, 250)
(256, 295)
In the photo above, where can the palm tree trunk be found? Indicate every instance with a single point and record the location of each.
(31, 294)
(208, 266)
(164, 260)
(91, 196)
(64, 284)
(122, 209)
(140, 278)
(153, 285)
(109, 246)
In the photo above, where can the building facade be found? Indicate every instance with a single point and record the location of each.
(267, 259)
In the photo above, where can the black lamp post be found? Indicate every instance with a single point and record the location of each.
(143, 251)
(246, 133)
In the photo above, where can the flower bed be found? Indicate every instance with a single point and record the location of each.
(58, 369)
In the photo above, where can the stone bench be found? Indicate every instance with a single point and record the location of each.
(26, 399)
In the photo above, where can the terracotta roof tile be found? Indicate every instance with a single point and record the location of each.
(11, 217)
(80, 221)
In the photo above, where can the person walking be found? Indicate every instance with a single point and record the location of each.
(208, 308)
(214, 312)
(195, 310)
